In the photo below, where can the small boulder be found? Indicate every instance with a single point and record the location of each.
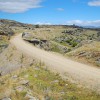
(24, 82)
(19, 88)
(30, 97)
(55, 81)
(26, 35)
(15, 76)
(35, 76)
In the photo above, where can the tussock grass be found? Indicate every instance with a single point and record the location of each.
(42, 84)
(88, 53)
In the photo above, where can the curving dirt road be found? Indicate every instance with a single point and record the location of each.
(85, 75)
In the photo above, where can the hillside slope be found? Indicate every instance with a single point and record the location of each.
(88, 53)
(82, 73)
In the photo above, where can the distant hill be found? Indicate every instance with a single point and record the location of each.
(92, 27)
(12, 23)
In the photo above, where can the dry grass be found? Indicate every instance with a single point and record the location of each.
(88, 53)
(42, 83)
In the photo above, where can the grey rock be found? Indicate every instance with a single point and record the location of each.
(35, 76)
(47, 97)
(15, 76)
(55, 81)
(98, 59)
(66, 84)
(62, 92)
(26, 35)
(19, 88)
(37, 68)
(30, 97)
(6, 99)
(24, 82)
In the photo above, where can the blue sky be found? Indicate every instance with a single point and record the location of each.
(80, 12)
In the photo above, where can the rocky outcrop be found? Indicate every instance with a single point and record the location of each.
(12, 24)
(40, 43)
(5, 30)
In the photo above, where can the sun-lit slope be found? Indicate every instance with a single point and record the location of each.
(81, 73)
(87, 53)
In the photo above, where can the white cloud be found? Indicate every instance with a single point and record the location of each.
(84, 23)
(43, 23)
(94, 3)
(18, 6)
(60, 9)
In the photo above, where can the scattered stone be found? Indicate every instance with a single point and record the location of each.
(66, 84)
(19, 88)
(47, 90)
(26, 35)
(35, 76)
(55, 81)
(15, 76)
(81, 53)
(30, 97)
(37, 68)
(6, 31)
(29, 91)
(98, 59)
(6, 98)
(47, 97)
(62, 92)
(24, 82)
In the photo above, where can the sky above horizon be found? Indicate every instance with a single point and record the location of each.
(79, 12)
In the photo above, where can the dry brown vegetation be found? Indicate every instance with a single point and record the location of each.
(88, 53)
(39, 83)
(81, 44)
